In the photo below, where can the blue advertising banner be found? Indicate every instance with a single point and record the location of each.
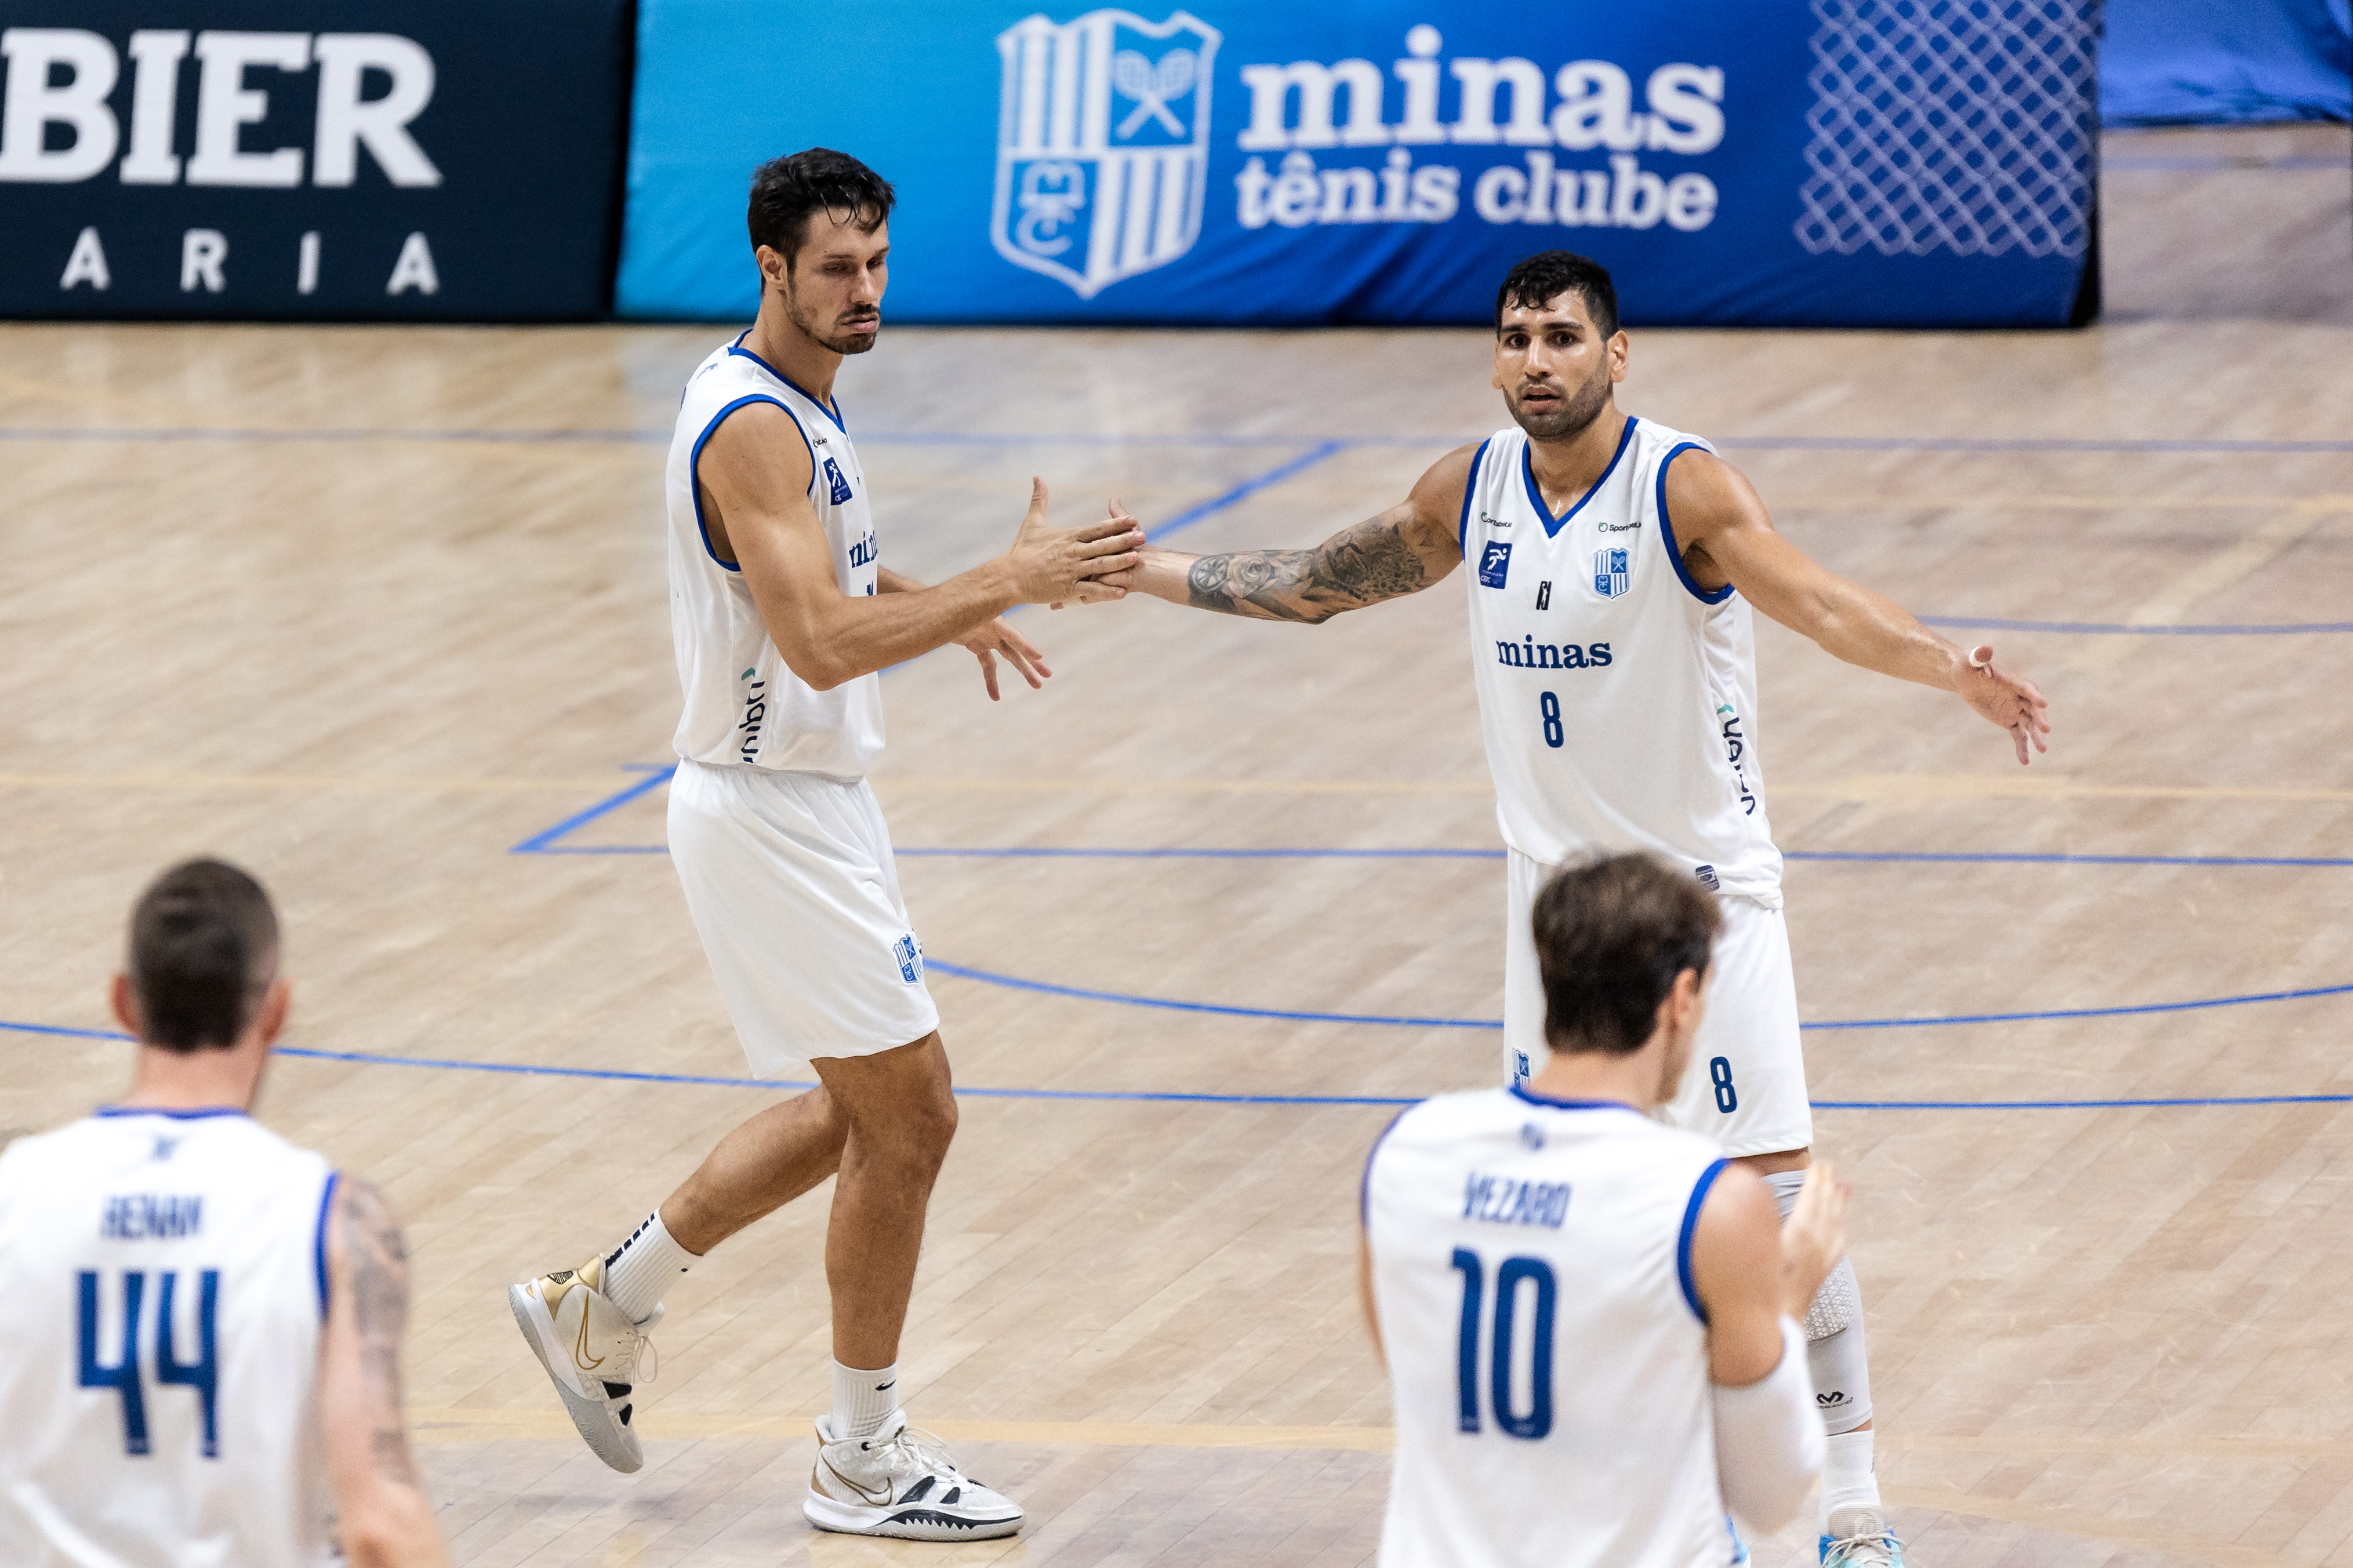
(1837, 162)
(401, 160)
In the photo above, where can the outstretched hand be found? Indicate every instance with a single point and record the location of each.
(1051, 566)
(996, 637)
(2008, 700)
(1105, 589)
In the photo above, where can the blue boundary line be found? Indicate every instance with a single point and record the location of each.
(1017, 983)
(1248, 488)
(549, 841)
(525, 1069)
(545, 841)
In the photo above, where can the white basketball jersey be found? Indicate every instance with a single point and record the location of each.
(742, 704)
(165, 1275)
(1547, 1361)
(1619, 700)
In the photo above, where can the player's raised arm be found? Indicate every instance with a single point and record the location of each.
(382, 1512)
(1756, 1279)
(1401, 552)
(1727, 536)
(753, 477)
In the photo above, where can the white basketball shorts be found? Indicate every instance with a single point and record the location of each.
(792, 885)
(1746, 1085)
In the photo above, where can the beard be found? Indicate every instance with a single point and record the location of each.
(840, 339)
(1581, 408)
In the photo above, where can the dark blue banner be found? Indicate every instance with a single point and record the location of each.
(2223, 62)
(1843, 162)
(399, 160)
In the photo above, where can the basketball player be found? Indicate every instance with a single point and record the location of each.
(1614, 657)
(1590, 1320)
(783, 619)
(203, 1362)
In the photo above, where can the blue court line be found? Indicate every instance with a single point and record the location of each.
(1206, 438)
(545, 841)
(1017, 982)
(2118, 628)
(1248, 488)
(523, 1069)
(549, 841)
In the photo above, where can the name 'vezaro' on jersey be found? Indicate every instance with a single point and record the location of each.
(166, 1281)
(1619, 699)
(1546, 1355)
(743, 705)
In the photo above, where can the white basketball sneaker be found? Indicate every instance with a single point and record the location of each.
(1858, 1538)
(591, 1351)
(901, 1482)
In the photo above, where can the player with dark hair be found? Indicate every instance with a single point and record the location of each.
(1615, 561)
(1590, 1320)
(783, 619)
(205, 1362)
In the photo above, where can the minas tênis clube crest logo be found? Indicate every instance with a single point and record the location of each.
(1102, 144)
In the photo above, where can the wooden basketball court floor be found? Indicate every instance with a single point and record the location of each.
(381, 614)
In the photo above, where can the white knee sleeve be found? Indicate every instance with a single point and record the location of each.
(1841, 1369)
(1834, 1338)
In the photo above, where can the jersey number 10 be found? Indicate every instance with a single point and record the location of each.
(1509, 1277)
(203, 1374)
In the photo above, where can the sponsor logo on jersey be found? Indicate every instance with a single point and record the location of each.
(1529, 654)
(1505, 1200)
(1103, 151)
(1495, 563)
(1618, 527)
(838, 488)
(1610, 570)
(1532, 1136)
(755, 714)
(862, 553)
(1707, 877)
(1736, 746)
(910, 957)
(1493, 521)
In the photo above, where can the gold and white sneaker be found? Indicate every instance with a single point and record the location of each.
(591, 1351)
(901, 1482)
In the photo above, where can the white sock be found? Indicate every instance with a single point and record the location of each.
(862, 1401)
(638, 1271)
(1847, 1479)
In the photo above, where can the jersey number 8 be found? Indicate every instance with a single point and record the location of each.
(1509, 1276)
(203, 1374)
(1549, 706)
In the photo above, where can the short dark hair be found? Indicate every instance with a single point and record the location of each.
(203, 948)
(1548, 274)
(1611, 936)
(785, 191)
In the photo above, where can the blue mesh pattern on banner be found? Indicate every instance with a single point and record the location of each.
(1964, 127)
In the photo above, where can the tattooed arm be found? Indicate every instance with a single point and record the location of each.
(383, 1515)
(1403, 551)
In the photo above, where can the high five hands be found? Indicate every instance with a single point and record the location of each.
(2008, 700)
(1053, 566)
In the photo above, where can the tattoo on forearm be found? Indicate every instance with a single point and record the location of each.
(376, 1260)
(1360, 566)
